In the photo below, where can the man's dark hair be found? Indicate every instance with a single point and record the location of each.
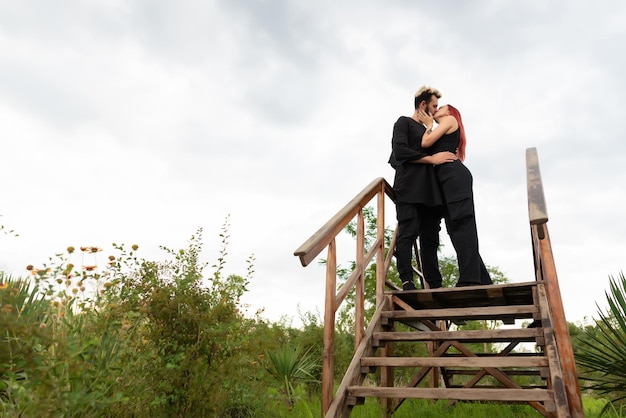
(424, 94)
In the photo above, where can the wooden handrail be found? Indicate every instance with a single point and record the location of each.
(320, 240)
(537, 211)
(325, 237)
(545, 271)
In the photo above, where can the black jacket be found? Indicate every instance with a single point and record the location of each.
(413, 182)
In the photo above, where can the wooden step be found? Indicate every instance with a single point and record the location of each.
(470, 394)
(496, 335)
(466, 313)
(456, 361)
(476, 296)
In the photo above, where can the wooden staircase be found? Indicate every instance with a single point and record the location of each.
(454, 368)
(528, 360)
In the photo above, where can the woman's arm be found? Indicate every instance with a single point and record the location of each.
(431, 136)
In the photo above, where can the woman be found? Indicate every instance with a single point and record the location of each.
(455, 181)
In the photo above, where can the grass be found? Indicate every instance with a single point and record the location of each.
(437, 409)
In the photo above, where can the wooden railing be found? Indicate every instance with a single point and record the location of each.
(545, 271)
(325, 237)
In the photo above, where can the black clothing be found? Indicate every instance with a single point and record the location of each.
(456, 186)
(418, 202)
(413, 182)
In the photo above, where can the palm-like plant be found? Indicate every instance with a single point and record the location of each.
(289, 367)
(602, 349)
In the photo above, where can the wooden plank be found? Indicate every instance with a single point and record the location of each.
(461, 361)
(328, 351)
(476, 296)
(520, 311)
(497, 335)
(503, 395)
(556, 376)
(512, 372)
(537, 211)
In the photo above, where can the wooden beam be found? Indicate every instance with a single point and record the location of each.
(460, 361)
(474, 313)
(503, 395)
(328, 364)
(537, 211)
(497, 335)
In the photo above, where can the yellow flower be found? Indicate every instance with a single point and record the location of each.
(135, 247)
(70, 249)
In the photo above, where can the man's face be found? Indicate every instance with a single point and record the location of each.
(431, 106)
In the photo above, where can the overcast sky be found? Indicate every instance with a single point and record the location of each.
(138, 122)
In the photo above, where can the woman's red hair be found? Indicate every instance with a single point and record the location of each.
(454, 112)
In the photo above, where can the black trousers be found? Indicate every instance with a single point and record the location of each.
(461, 225)
(417, 220)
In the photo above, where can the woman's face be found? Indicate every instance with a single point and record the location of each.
(442, 111)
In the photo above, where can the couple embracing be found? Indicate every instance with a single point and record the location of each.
(432, 183)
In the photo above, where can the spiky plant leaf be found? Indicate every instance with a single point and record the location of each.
(602, 349)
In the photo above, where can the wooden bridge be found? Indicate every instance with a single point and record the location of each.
(454, 368)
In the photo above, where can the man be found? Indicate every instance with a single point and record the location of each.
(419, 205)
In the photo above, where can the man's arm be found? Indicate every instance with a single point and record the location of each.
(437, 159)
(402, 152)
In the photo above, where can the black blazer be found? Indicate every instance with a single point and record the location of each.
(413, 182)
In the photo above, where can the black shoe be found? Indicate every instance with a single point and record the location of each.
(465, 284)
(408, 286)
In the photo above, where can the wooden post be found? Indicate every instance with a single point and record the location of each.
(329, 328)
(537, 211)
(559, 325)
(546, 271)
(380, 257)
(387, 374)
(359, 300)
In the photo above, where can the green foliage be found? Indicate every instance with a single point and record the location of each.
(601, 349)
(138, 338)
(290, 366)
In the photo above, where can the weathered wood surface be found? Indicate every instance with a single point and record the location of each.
(496, 335)
(537, 212)
(504, 395)
(459, 297)
(482, 313)
(461, 361)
